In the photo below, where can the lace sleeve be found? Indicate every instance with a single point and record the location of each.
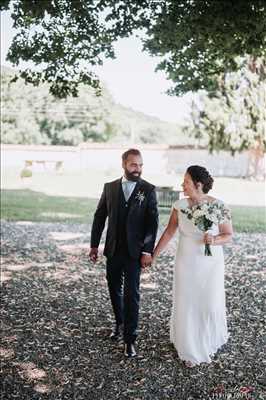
(178, 204)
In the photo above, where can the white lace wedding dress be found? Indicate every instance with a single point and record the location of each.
(198, 321)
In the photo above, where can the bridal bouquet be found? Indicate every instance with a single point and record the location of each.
(205, 215)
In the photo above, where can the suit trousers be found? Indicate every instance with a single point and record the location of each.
(123, 278)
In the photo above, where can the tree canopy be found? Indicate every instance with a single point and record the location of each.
(196, 40)
(234, 116)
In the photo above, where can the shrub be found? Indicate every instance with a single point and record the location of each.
(26, 173)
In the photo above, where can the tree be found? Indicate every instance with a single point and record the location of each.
(233, 117)
(200, 40)
(31, 115)
(197, 40)
(18, 123)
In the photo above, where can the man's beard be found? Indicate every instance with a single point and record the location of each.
(131, 177)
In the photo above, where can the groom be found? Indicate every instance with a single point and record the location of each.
(131, 207)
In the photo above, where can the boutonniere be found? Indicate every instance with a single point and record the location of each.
(140, 197)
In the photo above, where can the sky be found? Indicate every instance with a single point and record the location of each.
(131, 78)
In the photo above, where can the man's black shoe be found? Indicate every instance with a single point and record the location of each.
(117, 333)
(129, 350)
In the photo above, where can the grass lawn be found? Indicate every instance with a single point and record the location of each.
(27, 205)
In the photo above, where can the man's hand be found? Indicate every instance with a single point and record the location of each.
(146, 260)
(93, 255)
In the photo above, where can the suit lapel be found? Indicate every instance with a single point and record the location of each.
(115, 197)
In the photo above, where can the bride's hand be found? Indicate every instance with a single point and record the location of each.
(154, 257)
(208, 238)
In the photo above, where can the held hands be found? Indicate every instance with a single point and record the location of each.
(208, 238)
(93, 255)
(145, 260)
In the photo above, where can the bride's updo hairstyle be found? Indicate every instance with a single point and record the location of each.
(200, 174)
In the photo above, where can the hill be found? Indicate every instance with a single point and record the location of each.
(30, 115)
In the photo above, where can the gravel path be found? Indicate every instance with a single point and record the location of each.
(57, 318)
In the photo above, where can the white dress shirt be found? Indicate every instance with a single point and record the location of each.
(128, 187)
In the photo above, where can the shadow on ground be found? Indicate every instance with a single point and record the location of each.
(57, 320)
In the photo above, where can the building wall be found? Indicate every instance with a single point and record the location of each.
(158, 159)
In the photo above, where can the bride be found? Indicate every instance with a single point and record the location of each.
(198, 325)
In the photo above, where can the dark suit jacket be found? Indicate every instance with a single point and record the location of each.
(142, 221)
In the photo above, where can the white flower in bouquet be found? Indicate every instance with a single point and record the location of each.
(214, 218)
(197, 214)
(205, 215)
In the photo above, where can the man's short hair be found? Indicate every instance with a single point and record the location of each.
(134, 152)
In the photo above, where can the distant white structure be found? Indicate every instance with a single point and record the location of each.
(158, 159)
